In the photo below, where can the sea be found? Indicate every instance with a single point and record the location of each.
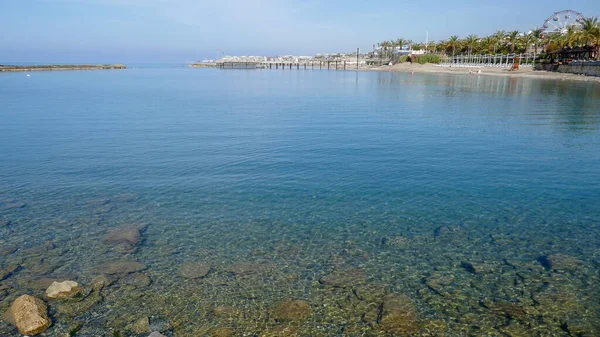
(211, 202)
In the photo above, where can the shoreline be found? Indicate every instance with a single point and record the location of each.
(16, 68)
(524, 72)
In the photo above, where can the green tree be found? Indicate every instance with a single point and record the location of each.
(526, 41)
(498, 39)
(400, 42)
(536, 34)
(471, 41)
(512, 38)
(453, 42)
(590, 34)
(487, 44)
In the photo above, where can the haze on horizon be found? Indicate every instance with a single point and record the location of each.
(183, 30)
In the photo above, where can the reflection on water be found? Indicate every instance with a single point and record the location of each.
(308, 203)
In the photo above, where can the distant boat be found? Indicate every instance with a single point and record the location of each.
(28, 75)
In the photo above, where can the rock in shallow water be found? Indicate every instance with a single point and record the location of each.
(124, 240)
(9, 271)
(222, 332)
(63, 289)
(14, 205)
(295, 310)
(193, 270)
(137, 280)
(100, 282)
(560, 262)
(227, 312)
(120, 267)
(141, 326)
(343, 279)
(398, 317)
(478, 267)
(156, 334)
(29, 315)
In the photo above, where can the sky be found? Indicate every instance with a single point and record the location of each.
(130, 31)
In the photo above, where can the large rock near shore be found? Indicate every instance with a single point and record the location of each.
(29, 315)
(62, 289)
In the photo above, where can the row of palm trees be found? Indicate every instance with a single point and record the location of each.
(501, 42)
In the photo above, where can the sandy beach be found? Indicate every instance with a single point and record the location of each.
(524, 72)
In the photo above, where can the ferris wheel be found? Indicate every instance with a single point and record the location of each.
(560, 21)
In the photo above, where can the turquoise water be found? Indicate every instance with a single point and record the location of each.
(474, 199)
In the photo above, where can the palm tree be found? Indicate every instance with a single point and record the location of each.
(498, 38)
(400, 42)
(526, 40)
(571, 37)
(384, 47)
(471, 40)
(487, 43)
(442, 44)
(512, 38)
(590, 33)
(453, 41)
(536, 33)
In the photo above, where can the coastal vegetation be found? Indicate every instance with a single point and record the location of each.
(587, 33)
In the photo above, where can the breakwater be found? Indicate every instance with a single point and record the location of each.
(580, 68)
(13, 68)
(203, 65)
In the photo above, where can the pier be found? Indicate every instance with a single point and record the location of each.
(321, 64)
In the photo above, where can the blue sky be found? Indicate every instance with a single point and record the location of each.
(183, 30)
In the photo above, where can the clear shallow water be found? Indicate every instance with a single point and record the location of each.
(475, 199)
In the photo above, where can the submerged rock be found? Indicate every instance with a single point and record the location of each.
(29, 315)
(398, 316)
(446, 230)
(120, 267)
(123, 240)
(440, 282)
(194, 270)
(72, 309)
(99, 202)
(560, 262)
(5, 249)
(156, 334)
(249, 268)
(9, 271)
(63, 289)
(137, 280)
(343, 279)
(141, 326)
(515, 311)
(296, 310)
(478, 267)
(125, 197)
(281, 331)
(227, 312)
(222, 332)
(100, 282)
(14, 205)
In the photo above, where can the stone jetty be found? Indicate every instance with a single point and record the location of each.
(15, 68)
